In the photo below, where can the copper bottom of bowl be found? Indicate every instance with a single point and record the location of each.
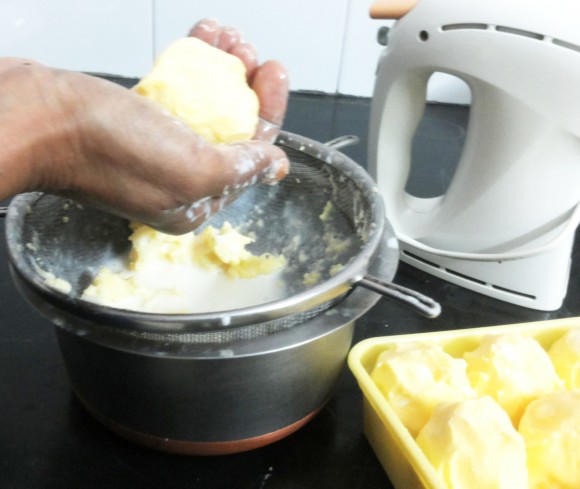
(182, 447)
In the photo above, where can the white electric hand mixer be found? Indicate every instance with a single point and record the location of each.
(505, 226)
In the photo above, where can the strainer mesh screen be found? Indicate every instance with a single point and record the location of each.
(319, 217)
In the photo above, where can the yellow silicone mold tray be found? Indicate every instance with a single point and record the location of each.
(404, 462)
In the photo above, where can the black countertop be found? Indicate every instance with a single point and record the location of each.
(48, 441)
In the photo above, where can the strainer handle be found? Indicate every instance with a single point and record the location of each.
(421, 303)
(343, 141)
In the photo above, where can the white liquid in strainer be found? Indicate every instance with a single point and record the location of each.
(204, 273)
(169, 288)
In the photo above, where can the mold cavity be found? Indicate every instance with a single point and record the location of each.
(440, 136)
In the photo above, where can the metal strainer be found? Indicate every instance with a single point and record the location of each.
(326, 218)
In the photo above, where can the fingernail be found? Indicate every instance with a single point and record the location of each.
(276, 171)
(209, 23)
(247, 50)
(231, 35)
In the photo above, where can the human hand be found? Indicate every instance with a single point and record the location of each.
(94, 141)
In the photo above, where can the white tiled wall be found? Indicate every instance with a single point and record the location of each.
(327, 45)
(108, 36)
(361, 50)
(306, 35)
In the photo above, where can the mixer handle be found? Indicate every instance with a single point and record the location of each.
(343, 141)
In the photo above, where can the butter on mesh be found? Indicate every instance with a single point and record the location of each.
(206, 88)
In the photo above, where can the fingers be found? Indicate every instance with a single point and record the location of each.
(270, 82)
(189, 217)
(234, 169)
(228, 39)
(206, 30)
(237, 166)
(216, 35)
(247, 53)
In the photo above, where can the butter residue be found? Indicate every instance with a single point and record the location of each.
(311, 278)
(55, 282)
(334, 245)
(204, 272)
(326, 211)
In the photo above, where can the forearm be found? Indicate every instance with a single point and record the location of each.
(83, 137)
(33, 130)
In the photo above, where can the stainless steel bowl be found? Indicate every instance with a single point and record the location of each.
(185, 383)
(176, 394)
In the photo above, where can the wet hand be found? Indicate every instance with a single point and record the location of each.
(84, 137)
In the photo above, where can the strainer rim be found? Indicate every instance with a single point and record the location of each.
(331, 289)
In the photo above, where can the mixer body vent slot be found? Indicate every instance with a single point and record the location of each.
(465, 277)
(466, 26)
(567, 45)
(512, 31)
(515, 292)
(421, 259)
(468, 278)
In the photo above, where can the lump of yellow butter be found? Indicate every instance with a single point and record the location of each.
(416, 377)
(188, 273)
(226, 249)
(206, 88)
(565, 355)
(222, 249)
(513, 369)
(550, 427)
(473, 444)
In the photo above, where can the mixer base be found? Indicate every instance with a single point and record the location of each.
(183, 447)
(537, 282)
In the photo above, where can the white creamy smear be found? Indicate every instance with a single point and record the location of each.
(168, 274)
(169, 288)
